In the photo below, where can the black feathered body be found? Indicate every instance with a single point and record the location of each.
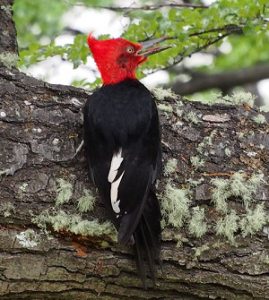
(121, 128)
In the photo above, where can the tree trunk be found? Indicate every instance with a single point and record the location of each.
(49, 249)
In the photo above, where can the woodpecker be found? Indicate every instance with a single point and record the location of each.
(123, 149)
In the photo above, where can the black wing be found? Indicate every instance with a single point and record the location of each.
(122, 120)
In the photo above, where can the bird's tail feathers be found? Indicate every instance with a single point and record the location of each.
(147, 238)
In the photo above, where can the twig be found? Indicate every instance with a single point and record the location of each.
(181, 56)
(231, 28)
(151, 7)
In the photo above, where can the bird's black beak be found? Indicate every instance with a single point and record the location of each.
(152, 46)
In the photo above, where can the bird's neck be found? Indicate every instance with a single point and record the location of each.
(112, 75)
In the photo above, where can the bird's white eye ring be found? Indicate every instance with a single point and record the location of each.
(130, 49)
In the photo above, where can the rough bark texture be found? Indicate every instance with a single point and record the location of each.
(8, 42)
(40, 129)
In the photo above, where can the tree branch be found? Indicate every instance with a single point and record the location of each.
(40, 130)
(151, 7)
(223, 81)
(229, 28)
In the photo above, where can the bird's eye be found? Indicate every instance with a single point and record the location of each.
(130, 49)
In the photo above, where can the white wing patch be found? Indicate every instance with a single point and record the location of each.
(112, 174)
(115, 202)
(114, 166)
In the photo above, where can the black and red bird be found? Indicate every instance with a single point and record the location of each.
(122, 139)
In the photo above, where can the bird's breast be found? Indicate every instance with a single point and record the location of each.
(122, 114)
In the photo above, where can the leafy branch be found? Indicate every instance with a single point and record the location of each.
(179, 58)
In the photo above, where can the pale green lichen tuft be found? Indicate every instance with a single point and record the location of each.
(195, 182)
(240, 97)
(64, 191)
(259, 119)
(207, 141)
(237, 98)
(165, 107)
(86, 203)
(265, 108)
(200, 250)
(93, 228)
(192, 117)
(220, 193)
(175, 206)
(197, 225)
(179, 112)
(254, 220)
(170, 167)
(8, 59)
(23, 187)
(197, 161)
(245, 188)
(227, 226)
(61, 221)
(7, 209)
(238, 185)
(160, 93)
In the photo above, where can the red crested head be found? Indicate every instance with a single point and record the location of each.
(117, 59)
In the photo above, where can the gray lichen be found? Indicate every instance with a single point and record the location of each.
(86, 203)
(246, 188)
(62, 221)
(259, 119)
(9, 59)
(7, 209)
(239, 185)
(254, 220)
(220, 193)
(64, 191)
(200, 250)
(28, 238)
(23, 187)
(197, 161)
(195, 182)
(240, 97)
(206, 142)
(175, 206)
(197, 224)
(171, 166)
(192, 117)
(165, 107)
(160, 93)
(228, 225)
(265, 108)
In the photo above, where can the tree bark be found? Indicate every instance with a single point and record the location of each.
(40, 130)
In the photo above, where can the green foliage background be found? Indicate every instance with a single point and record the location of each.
(244, 23)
